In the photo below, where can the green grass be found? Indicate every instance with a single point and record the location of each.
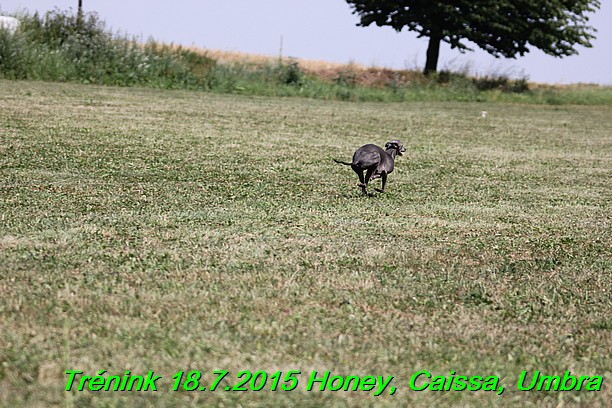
(171, 230)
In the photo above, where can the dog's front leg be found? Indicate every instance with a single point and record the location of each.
(383, 177)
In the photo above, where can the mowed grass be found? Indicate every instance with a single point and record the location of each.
(167, 230)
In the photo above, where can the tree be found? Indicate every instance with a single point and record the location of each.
(503, 28)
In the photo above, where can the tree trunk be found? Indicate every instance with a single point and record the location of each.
(433, 52)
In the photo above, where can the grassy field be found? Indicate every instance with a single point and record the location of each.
(169, 231)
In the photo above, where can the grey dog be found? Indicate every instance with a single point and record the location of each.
(376, 162)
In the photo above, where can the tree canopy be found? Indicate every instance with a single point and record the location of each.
(503, 28)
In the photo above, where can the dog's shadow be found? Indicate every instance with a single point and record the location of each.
(370, 195)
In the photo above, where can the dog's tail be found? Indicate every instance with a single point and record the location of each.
(343, 162)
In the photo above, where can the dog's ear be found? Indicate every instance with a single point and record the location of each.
(391, 145)
(397, 145)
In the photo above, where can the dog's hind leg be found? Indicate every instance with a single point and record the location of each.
(367, 180)
(359, 172)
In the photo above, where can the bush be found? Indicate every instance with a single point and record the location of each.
(12, 55)
(57, 27)
(347, 78)
(68, 47)
(502, 83)
(291, 73)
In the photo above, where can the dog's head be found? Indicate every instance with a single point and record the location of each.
(397, 145)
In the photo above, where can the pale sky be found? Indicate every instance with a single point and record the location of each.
(324, 30)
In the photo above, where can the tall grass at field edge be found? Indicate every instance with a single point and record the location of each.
(63, 46)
